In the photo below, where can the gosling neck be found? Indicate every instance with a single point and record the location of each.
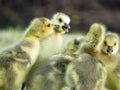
(59, 32)
(31, 36)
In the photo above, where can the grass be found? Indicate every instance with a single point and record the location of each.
(12, 35)
(9, 36)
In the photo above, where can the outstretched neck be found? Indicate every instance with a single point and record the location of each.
(57, 32)
(31, 36)
(31, 45)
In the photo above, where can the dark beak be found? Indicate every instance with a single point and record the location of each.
(66, 27)
(110, 49)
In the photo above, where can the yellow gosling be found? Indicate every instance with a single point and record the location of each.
(55, 40)
(110, 57)
(73, 45)
(49, 46)
(87, 72)
(16, 61)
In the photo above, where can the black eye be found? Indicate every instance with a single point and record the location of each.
(105, 43)
(60, 20)
(115, 44)
(48, 25)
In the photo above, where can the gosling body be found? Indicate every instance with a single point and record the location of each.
(55, 40)
(16, 61)
(87, 72)
(50, 45)
(110, 57)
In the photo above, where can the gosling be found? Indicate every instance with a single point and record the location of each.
(110, 57)
(17, 60)
(55, 40)
(87, 72)
(49, 46)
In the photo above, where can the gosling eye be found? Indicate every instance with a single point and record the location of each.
(115, 44)
(105, 43)
(48, 25)
(60, 20)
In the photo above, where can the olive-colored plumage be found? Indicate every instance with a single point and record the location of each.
(73, 45)
(111, 59)
(53, 44)
(17, 60)
(49, 46)
(49, 75)
(87, 72)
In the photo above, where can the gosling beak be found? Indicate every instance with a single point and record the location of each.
(110, 50)
(66, 27)
(56, 27)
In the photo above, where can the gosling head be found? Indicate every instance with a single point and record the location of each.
(39, 27)
(61, 22)
(110, 44)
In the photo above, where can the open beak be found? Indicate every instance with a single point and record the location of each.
(110, 50)
(66, 27)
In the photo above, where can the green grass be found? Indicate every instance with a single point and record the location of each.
(9, 36)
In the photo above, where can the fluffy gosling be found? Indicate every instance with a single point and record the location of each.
(87, 72)
(110, 57)
(16, 61)
(73, 45)
(49, 46)
(55, 40)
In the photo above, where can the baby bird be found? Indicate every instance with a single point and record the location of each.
(110, 57)
(55, 41)
(16, 61)
(49, 75)
(49, 46)
(87, 72)
(73, 45)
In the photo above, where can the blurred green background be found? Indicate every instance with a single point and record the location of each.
(15, 15)
(18, 13)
